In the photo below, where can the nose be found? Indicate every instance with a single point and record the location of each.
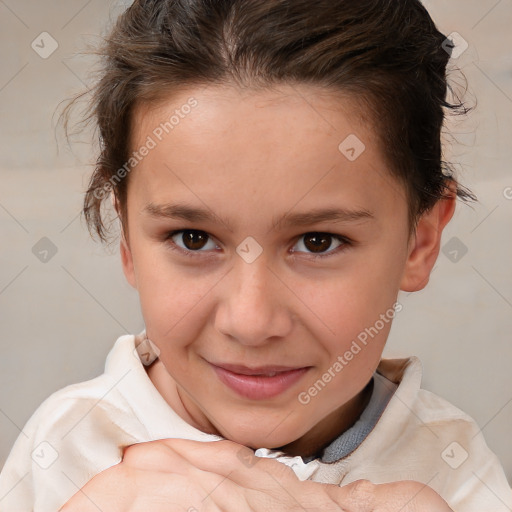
(252, 308)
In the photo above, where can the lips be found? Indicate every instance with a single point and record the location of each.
(259, 383)
(266, 371)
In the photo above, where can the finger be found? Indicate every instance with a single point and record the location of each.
(262, 480)
(119, 489)
(358, 496)
(239, 462)
(154, 456)
(105, 491)
(406, 496)
(162, 464)
(411, 496)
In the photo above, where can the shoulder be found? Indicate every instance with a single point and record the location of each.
(411, 398)
(100, 396)
(77, 432)
(64, 410)
(421, 436)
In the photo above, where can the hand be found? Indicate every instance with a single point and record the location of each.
(402, 496)
(174, 475)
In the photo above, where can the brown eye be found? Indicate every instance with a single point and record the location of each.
(318, 245)
(194, 240)
(317, 242)
(189, 241)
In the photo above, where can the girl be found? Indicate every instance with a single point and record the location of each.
(276, 168)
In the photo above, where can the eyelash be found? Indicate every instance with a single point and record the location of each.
(345, 243)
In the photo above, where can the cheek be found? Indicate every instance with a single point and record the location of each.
(358, 310)
(172, 299)
(355, 299)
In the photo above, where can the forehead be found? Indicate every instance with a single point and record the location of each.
(275, 146)
(217, 110)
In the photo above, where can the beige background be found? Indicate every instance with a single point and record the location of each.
(60, 318)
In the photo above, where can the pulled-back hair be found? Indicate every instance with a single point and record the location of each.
(386, 54)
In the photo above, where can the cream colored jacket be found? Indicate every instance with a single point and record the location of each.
(81, 430)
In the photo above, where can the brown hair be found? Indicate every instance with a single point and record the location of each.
(387, 54)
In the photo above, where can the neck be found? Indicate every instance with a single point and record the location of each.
(331, 427)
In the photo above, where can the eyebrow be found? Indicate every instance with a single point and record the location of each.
(193, 214)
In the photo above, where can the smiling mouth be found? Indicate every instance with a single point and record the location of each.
(259, 383)
(266, 371)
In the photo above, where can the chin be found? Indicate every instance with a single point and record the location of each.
(260, 439)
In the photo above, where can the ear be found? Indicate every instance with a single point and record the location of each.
(426, 242)
(126, 253)
(127, 261)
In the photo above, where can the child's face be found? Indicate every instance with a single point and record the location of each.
(252, 159)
